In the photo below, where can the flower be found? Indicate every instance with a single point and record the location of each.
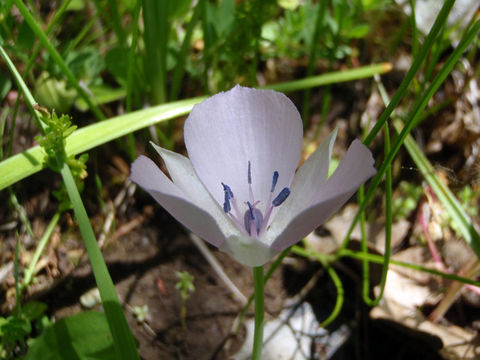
(238, 189)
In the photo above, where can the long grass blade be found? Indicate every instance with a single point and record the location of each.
(32, 160)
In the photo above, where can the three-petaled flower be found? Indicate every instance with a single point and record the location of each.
(238, 189)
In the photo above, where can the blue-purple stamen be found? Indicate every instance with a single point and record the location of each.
(274, 181)
(255, 222)
(281, 197)
(227, 191)
(226, 205)
(228, 195)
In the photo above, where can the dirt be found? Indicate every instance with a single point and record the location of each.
(143, 264)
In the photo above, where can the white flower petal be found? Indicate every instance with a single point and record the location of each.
(184, 176)
(307, 182)
(226, 131)
(190, 213)
(248, 251)
(356, 168)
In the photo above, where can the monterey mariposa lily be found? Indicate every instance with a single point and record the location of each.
(238, 188)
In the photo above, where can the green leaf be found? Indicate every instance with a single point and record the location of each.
(33, 310)
(15, 329)
(116, 62)
(225, 17)
(76, 5)
(86, 64)
(178, 8)
(83, 336)
(129, 4)
(358, 31)
(289, 4)
(25, 38)
(103, 94)
(54, 94)
(5, 86)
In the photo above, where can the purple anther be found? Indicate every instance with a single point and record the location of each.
(249, 173)
(274, 181)
(281, 197)
(226, 204)
(227, 191)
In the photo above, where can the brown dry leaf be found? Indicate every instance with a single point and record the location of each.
(458, 343)
(338, 227)
(406, 291)
(415, 255)
(400, 229)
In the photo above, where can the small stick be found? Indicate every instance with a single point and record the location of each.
(207, 254)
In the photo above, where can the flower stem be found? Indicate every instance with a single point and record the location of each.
(259, 312)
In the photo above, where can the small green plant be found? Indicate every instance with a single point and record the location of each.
(186, 288)
(53, 143)
(406, 200)
(16, 329)
(141, 313)
(467, 198)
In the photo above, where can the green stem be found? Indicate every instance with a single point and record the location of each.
(122, 337)
(18, 305)
(38, 251)
(378, 259)
(268, 275)
(58, 16)
(259, 312)
(340, 297)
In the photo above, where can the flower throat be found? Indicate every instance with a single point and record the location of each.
(254, 221)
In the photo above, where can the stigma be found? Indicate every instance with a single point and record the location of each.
(253, 222)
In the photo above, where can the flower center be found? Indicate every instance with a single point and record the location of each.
(254, 221)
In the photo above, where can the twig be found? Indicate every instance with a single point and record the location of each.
(128, 189)
(237, 294)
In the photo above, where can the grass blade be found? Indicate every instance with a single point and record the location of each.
(331, 78)
(57, 58)
(422, 55)
(155, 18)
(31, 161)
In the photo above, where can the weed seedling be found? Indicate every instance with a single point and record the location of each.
(186, 288)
